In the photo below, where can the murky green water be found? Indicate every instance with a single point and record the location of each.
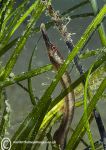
(19, 100)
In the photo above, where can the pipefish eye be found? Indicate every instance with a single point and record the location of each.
(53, 48)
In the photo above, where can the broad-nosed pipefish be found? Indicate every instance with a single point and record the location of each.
(57, 60)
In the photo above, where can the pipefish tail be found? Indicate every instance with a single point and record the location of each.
(57, 60)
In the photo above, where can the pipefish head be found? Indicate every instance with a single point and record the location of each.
(45, 37)
(53, 52)
(51, 48)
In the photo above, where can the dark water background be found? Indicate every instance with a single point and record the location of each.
(18, 98)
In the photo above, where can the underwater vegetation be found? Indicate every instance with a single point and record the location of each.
(50, 120)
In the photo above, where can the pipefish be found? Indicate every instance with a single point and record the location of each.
(57, 60)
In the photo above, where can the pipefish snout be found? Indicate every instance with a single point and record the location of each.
(57, 60)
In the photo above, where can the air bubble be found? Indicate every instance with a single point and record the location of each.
(11, 75)
(53, 71)
(44, 84)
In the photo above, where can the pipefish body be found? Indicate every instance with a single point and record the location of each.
(57, 60)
